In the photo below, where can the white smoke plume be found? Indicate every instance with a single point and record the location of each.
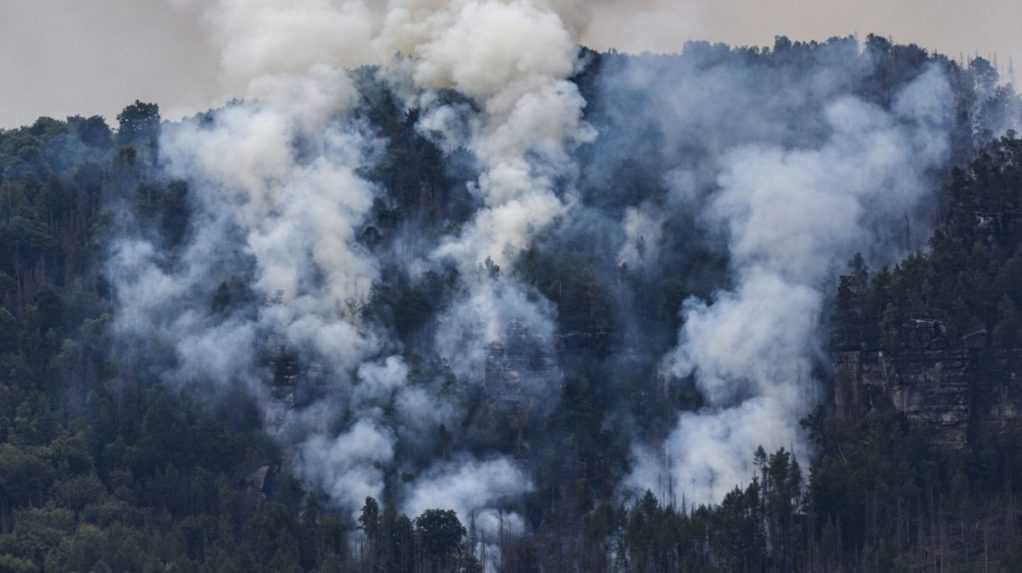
(293, 216)
(280, 196)
(279, 199)
(472, 488)
(467, 485)
(529, 121)
(348, 466)
(792, 216)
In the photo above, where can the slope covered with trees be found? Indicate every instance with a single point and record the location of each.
(105, 467)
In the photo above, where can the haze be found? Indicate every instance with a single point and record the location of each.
(64, 57)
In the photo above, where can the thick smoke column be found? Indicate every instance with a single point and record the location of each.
(295, 214)
(279, 200)
(791, 216)
(530, 118)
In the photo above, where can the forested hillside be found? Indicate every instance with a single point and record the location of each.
(168, 402)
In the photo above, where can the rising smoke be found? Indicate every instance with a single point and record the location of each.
(792, 207)
(280, 197)
(776, 177)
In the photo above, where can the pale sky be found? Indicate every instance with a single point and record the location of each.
(62, 57)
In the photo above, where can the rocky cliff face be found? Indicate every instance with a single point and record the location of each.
(962, 391)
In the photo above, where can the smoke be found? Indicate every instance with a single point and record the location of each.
(472, 488)
(727, 186)
(256, 40)
(277, 202)
(486, 317)
(347, 467)
(279, 195)
(643, 228)
(791, 217)
(466, 485)
(529, 121)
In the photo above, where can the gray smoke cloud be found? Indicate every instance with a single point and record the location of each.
(279, 200)
(785, 177)
(791, 215)
(285, 222)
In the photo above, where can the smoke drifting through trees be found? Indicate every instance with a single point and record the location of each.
(750, 178)
(790, 215)
(279, 175)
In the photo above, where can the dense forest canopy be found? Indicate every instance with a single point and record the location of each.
(594, 330)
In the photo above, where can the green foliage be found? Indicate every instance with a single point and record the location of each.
(966, 284)
(440, 533)
(139, 121)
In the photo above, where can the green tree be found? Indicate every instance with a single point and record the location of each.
(440, 534)
(138, 122)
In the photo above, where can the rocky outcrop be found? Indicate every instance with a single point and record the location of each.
(960, 392)
(931, 387)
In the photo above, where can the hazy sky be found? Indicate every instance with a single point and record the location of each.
(61, 57)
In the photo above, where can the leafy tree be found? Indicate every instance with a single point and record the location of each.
(138, 122)
(440, 533)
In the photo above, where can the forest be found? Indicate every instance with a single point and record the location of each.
(166, 406)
